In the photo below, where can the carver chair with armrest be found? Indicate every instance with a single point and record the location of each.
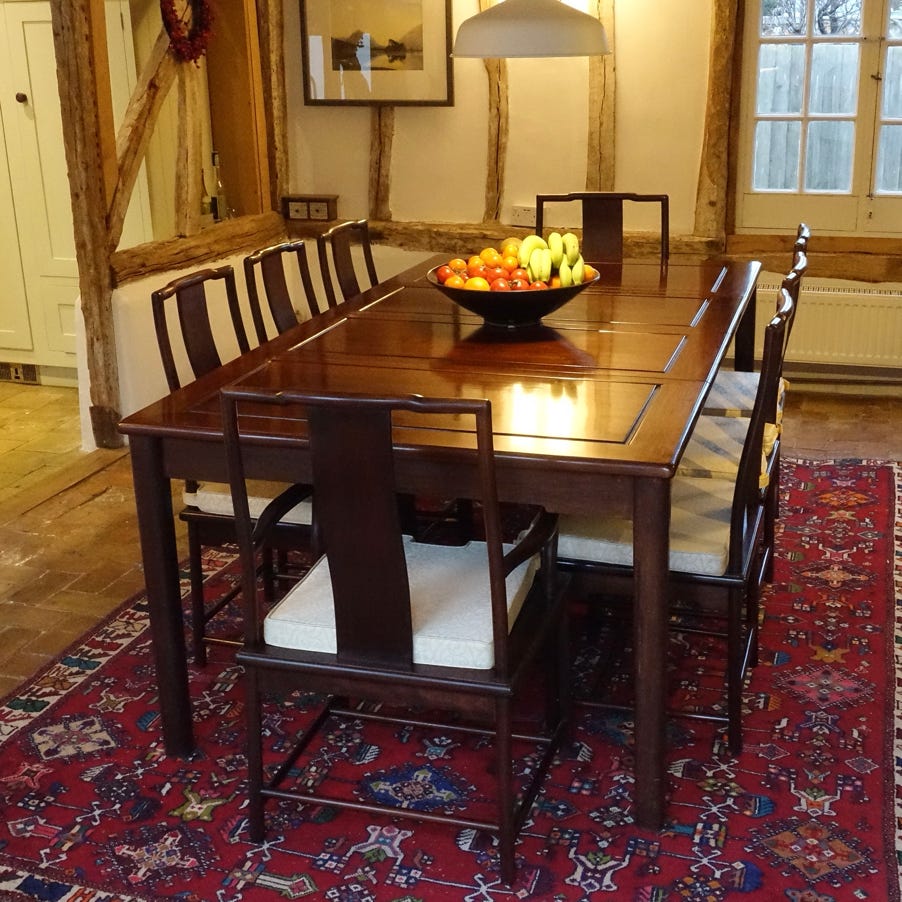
(718, 556)
(208, 506)
(336, 259)
(335, 249)
(602, 221)
(382, 618)
(270, 263)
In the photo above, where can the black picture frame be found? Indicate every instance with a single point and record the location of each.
(366, 52)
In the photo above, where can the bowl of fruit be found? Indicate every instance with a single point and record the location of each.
(517, 283)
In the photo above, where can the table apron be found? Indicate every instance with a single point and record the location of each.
(559, 489)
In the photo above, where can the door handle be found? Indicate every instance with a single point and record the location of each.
(21, 97)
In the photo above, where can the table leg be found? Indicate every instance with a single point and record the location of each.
(158, 549)
(651, 545)
(744, 345)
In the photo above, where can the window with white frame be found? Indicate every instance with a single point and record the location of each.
(821, 137)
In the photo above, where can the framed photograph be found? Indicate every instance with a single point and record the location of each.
(377, 51)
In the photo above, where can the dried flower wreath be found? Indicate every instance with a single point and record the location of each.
(188, 44)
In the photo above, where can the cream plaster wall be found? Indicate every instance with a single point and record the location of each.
(439, 154)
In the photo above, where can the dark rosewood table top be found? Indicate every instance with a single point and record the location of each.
(590, 409)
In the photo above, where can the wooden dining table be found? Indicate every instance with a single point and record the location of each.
(592, 409)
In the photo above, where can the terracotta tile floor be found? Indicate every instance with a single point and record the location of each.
(69, 550)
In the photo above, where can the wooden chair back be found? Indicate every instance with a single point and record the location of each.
(335, 256)
(749, 497)
(803, 233)
(792, 283)
(270, 262)
(193, 311)
(356, 513)
(602, 221)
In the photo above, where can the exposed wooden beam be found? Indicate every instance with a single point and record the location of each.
(382, 128)
(136, 129)
(224, 239)
(188, 175)
(79, 35)
(602, 83)
(271, 28)
(713, 178)
(499, 132)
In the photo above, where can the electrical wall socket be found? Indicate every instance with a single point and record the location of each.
(322, 207)
(319, 210)
(19, 372)
(523, 216)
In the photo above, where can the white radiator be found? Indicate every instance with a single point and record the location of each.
(839, 323)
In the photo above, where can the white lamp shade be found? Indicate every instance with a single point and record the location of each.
(530, 28)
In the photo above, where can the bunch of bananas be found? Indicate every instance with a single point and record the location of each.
(557, 255)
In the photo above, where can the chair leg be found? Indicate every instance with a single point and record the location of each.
(771, 515)
(559, 692)
(734, 673)
(752, 615)
(504, 769)
(255, 817)
(198, 612)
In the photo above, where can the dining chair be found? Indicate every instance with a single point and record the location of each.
(383, 618)
(717, 440)
(336, 259)
(270, 263)
(733, 391)
(718, 556)
(602, 221)
(423, 515)
(715, 447)
(207, 510)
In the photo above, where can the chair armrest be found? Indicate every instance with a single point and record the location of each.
(542, 530)
(278, 508)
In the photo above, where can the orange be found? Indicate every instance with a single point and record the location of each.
(490, 256)
(476, 283)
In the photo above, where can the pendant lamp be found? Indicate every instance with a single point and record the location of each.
(530, 28)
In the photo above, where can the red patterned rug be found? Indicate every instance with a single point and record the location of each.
(92, 808)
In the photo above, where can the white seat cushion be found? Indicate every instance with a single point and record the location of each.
(449, 598)
(699, 530)
(216, 498)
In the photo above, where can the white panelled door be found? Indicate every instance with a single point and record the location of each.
(40, 187)
(39, 276)
(15, 331)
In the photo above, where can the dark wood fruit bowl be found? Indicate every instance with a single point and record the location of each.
(511, 309)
